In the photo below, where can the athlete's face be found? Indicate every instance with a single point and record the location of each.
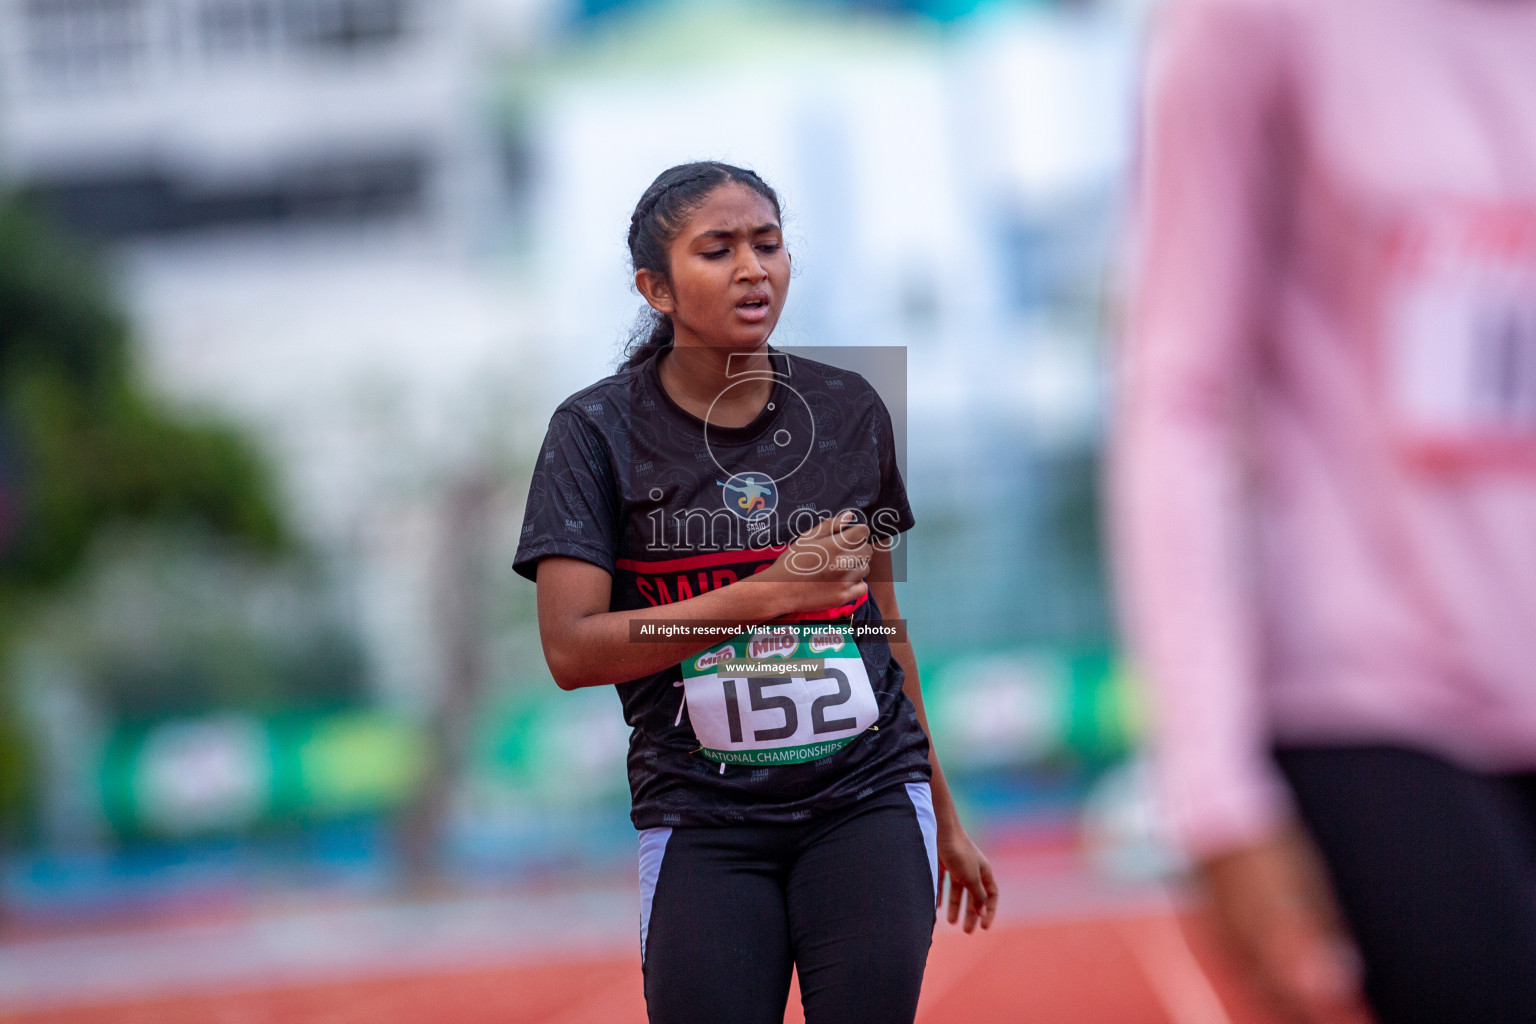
(729, 272)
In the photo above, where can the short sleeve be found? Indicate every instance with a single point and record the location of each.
(891, 514)
(572, 499)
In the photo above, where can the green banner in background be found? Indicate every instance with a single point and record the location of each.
(231, 772)
(556, 749)
(1018, 707)
(539, 750)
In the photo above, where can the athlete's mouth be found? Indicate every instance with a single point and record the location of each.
(754, 306)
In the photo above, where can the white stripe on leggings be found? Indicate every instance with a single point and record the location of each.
(922, 802)
(653, 847)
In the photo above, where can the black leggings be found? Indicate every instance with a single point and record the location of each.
(1435, 869)
(846, 898)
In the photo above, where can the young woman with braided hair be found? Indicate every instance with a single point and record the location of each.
(787, 821)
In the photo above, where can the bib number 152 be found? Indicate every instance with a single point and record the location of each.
(769, 718)
(758, 700)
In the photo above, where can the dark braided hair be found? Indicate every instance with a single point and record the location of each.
(660, 214)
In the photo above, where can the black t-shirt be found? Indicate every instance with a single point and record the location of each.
(672, 507)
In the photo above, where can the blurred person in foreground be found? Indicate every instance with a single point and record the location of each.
(1325, 490)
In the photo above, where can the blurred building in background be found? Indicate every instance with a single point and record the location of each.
(385, 237)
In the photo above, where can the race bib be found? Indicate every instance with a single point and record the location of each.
(1459, 336)
(778, 696)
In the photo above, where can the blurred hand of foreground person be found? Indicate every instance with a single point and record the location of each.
(1273, 903)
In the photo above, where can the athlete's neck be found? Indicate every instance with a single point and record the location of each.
(723, 387)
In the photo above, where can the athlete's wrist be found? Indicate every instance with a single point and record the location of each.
(770, 596)
(948, 819)
(944, 811)
(764, 597)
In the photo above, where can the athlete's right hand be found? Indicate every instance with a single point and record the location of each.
(824, 567)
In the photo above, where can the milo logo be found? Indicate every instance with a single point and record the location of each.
(710, 659)
(773, 642)
(826, 640)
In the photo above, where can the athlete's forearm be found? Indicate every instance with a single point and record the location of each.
(601, 649)
(943, 802)
(883, 588)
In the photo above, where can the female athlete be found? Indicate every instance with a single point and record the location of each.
(791, 811)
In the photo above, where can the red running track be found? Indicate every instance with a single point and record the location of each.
(1134, 969)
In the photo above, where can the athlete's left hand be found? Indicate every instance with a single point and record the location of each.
(970, 878)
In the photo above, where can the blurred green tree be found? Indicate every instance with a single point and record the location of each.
(83, 446)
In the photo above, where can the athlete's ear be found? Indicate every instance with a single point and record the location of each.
(653, 288)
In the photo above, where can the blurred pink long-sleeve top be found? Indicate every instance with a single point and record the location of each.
(1324, 478)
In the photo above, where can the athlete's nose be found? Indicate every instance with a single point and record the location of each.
(751, 268)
